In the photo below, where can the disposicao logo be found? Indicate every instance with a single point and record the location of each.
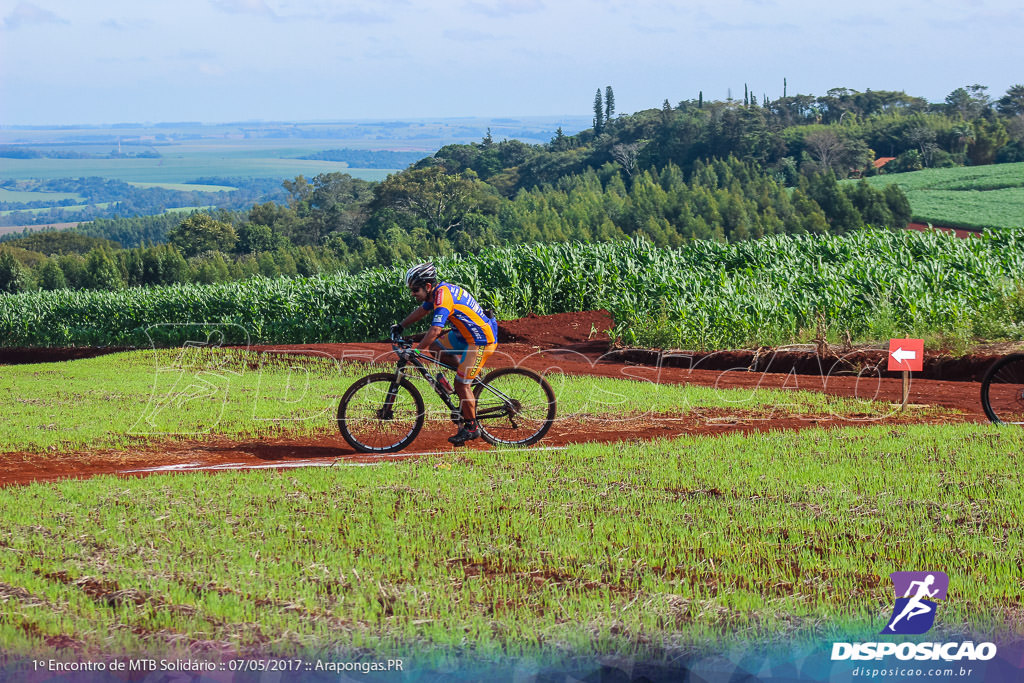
(916, 595)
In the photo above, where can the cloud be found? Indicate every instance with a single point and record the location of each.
(198, 55)
(864, 20)
(358, 17)
(208, 69)
(120, 25)
(752, 26)
(25, 13)
(505, 8)
(468, 35)
(651, 30)
(255, 7)
(397, 54)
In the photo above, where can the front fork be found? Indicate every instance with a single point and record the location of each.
(387, 412)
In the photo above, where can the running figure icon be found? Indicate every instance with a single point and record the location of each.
(914, 611)
(915, 607)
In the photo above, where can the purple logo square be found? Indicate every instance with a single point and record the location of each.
(916, 596)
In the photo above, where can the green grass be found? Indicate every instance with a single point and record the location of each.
(25, 196)
(179, 168)
(121, 400)
(969, 197)
(637, 549)
(187, 187)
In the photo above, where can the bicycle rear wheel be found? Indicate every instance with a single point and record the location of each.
(1002, 390)
(378, 416)
(514, 406)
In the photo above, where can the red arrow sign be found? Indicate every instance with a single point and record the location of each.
(906, 354)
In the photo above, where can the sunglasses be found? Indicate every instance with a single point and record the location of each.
(415, 289)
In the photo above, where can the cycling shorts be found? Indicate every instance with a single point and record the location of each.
(471, 356)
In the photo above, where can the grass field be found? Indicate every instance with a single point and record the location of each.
(70, 209)
(22, 196)
(120, 400)
(968, 197)
(638, 549)
(180, 168)
(187, 187)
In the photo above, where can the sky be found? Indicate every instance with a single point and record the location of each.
(111, 61)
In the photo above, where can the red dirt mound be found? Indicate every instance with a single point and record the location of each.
(558, 330)
(959, 232)
(56, 354)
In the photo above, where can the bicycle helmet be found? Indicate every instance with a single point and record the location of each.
(421, 274)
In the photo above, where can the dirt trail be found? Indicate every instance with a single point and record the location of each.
(574, 343)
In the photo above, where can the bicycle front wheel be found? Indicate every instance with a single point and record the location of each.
(1002, 390)
(379, 415)
(514, 406)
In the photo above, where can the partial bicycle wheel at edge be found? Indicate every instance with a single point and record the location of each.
(519, 411)
(367, 421)
(1002, 390)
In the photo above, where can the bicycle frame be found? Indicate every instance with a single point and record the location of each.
(450, 399)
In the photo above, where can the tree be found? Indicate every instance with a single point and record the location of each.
(923, 139)
(609, 104)
(598, 113)
(440, 200)
(899, 205)
(625, 155)
(969, 102)
(825, 147)
(73, 267)
(101, 272)
(298, 189)
(963, 136)
(254, 238)
(989, 136)
(14, 277)
(1012, 103)
(840, 211)
(51, 277)
(336, 204)
(666, 114)
(201, 232)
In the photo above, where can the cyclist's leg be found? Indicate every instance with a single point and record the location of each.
(450, 348)
(469, 369)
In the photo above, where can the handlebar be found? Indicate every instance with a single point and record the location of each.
(401, 344)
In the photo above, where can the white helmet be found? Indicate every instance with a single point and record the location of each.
(420, 274)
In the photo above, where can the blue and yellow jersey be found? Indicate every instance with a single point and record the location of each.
(452, 303)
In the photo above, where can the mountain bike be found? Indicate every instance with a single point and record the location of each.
(1002, 390)
(384, 412)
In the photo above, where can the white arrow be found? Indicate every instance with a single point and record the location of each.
(900, 355)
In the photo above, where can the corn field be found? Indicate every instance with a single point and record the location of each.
(705, 295)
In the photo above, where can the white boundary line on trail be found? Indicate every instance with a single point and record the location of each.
(497, 449)
(199, 467)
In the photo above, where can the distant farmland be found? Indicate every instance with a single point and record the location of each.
(180, 168)
(964, 197)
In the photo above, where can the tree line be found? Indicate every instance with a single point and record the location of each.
(108, 198)
(338, 223)
(844, 131)
(723, 170)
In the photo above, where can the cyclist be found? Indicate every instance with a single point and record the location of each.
(473, 338)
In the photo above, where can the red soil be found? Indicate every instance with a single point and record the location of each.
(959, 232)
(575, 343)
